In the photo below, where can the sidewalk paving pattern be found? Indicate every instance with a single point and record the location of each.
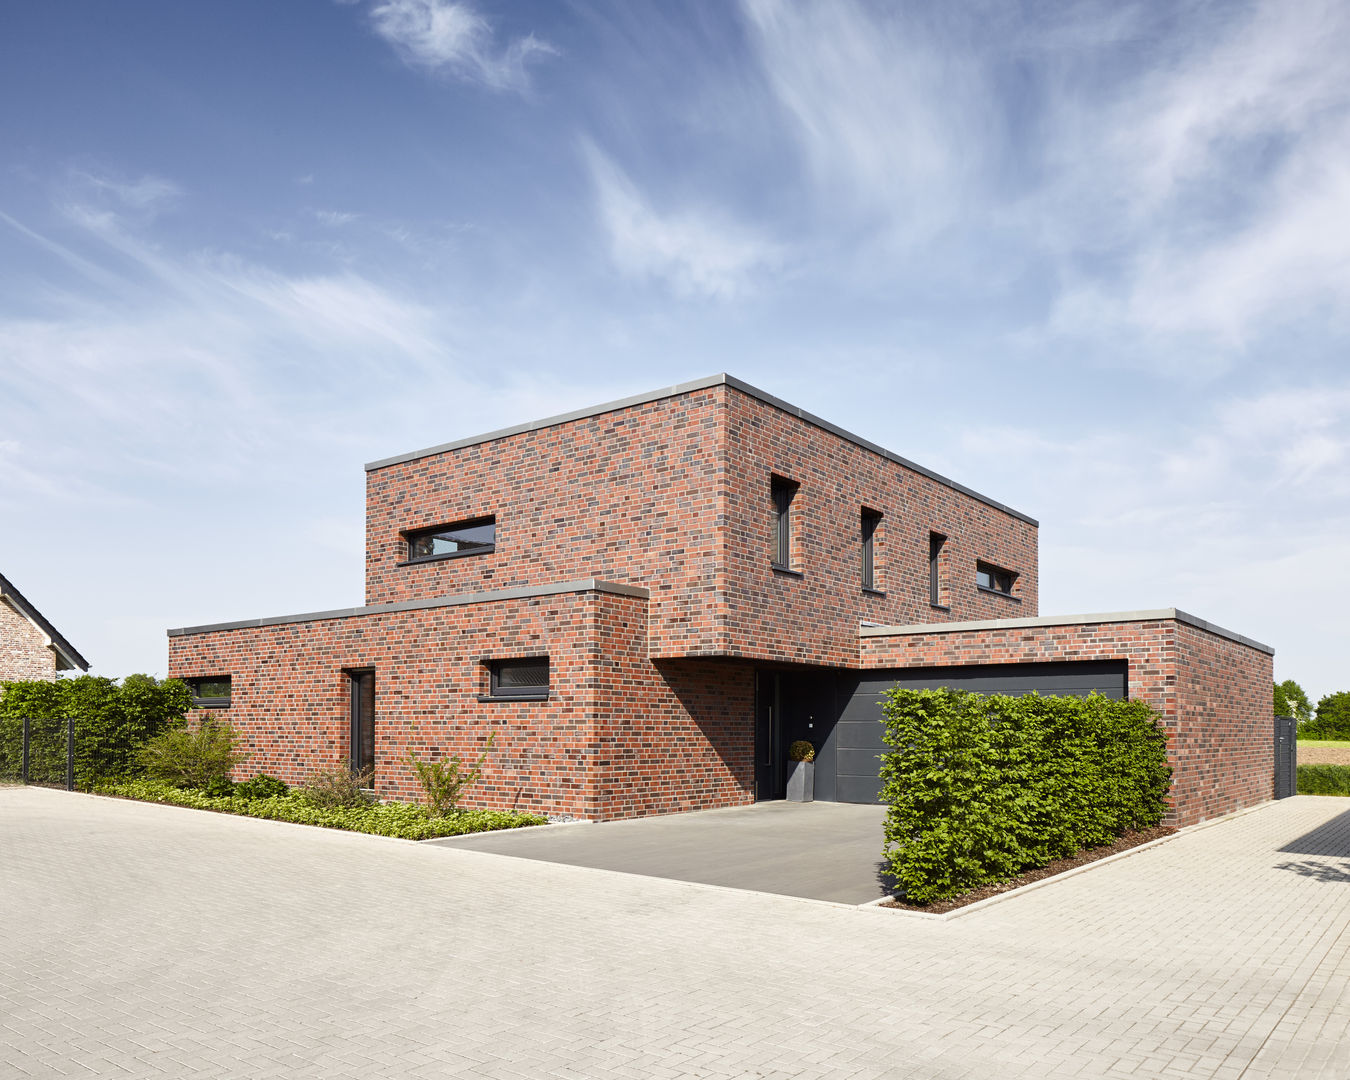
(146, 941)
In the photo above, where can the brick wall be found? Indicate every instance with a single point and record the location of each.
(24, 653)
(617, 738)
(673, 495)
(1213, 694)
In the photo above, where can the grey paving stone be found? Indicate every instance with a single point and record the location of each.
(152, 941)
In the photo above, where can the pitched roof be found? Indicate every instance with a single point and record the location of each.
(67, 656)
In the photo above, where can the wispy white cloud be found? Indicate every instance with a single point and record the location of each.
(451, 36)
(696, 252)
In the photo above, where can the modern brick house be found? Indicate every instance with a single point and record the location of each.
(648, 600)
(30, 646)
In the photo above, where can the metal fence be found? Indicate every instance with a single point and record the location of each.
(62, 752)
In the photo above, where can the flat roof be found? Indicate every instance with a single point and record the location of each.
(523, 592)
(1064, 620)
(722, 379)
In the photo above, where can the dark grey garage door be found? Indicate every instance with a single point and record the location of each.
(857, 733)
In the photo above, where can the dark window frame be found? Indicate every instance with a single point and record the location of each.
(936, 542)
(411, 536)
(783, 493)
(1000, 580)
(509, 692)
(869, 523)
(210, 701)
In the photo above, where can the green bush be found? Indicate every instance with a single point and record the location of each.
(1332, 720)
(112, 722)
(336, 788)
(403, 820)
(443, 782)
(980, 787)
(1324, 779)
(197, 757)
(261, 786)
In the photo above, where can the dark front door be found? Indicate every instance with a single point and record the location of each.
(768, 736)
(362, 693)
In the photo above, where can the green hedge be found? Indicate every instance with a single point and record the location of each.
(1324, 779)
(112, 722)
(405, 820)
(981, 787)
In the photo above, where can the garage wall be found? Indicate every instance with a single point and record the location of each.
(857, 743)
(1211, 686)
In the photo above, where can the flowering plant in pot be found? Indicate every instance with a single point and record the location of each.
(801, 777)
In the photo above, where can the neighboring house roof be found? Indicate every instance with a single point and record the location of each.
(67, 656)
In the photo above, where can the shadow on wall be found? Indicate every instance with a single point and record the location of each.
(719, 696)
(1332, 838)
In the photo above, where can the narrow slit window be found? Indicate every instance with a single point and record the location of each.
(935, 542)
(869, 524)
(782, 492)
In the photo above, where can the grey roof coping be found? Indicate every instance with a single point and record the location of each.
(522, 592)
(722, 379)
(64, 649)
(1064, 620)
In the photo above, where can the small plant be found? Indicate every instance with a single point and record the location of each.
(193, 757)
(337, 787)
(444, 782)
(262, 786)
(801, 750)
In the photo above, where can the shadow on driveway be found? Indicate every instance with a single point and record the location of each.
(820, 850)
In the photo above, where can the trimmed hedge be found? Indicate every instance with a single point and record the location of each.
(112, 722)
(1324, 779)
(982, 787)
(404, 820)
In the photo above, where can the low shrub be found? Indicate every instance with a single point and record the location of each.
(404, 820)
(443, 782)
(982, 787)
(261, 786)
(194, 757)
(1324, 779)
(336, 789)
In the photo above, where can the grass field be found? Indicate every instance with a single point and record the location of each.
(1342, 743)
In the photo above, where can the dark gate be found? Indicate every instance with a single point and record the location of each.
(1286, 756)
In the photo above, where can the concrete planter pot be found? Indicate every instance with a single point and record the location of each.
(801, 781)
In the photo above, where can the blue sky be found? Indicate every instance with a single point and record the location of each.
(1092, 259)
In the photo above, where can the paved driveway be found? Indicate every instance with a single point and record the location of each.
(821, 851)
(144, 941)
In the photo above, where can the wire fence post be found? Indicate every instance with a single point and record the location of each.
(23, 769)
(70, 753)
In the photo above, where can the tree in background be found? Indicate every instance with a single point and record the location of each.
(1333, 718)
(1290, 700)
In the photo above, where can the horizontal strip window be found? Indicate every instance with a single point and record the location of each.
(477, 536)
(212, 692)
(994, 579)
(519, 680)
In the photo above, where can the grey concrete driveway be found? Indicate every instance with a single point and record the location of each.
(150, 941)
(821, 851)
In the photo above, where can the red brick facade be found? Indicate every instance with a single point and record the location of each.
(641, 532)
(25, 652)
(1213, 693)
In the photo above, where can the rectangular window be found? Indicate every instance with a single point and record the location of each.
(361, 706)
(935, 542)
(212, 692)
(994, 579)
(475, 537)
(870, 520)
(782, 492)
(526, 679)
